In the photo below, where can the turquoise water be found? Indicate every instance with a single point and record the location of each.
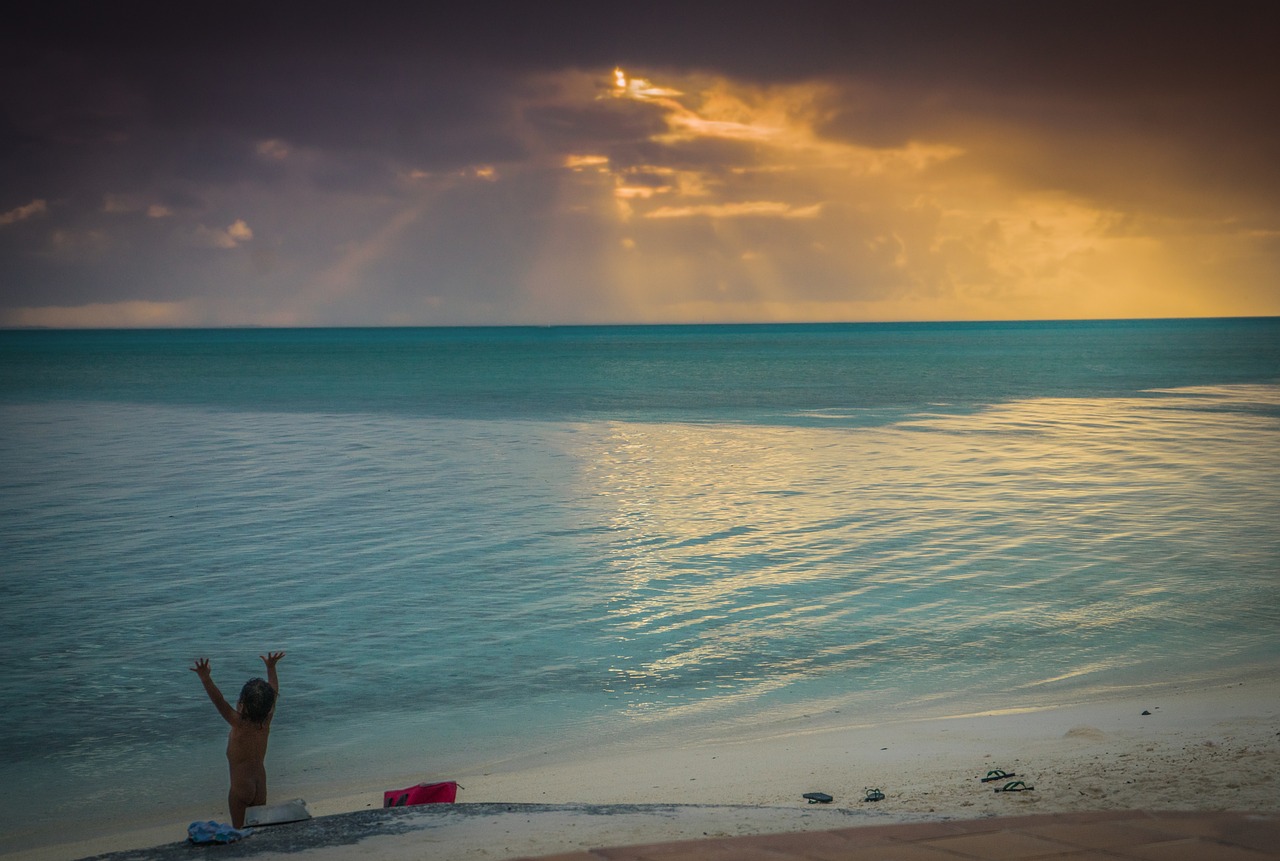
(477, 542)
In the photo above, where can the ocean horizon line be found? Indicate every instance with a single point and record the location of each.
(796, 324)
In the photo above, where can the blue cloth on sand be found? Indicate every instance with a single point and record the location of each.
(215, 832)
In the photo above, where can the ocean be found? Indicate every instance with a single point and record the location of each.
(479, 544)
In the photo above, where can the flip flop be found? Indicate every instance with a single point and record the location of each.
(997, 774)
(874, 795)
(817, 797)
(1014, 786)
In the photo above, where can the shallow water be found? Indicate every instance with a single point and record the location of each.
(473, 543)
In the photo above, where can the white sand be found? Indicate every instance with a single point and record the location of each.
(1205, 749)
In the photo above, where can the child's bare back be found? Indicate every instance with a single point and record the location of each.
(250, 724)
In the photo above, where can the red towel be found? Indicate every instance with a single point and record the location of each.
(423, 793)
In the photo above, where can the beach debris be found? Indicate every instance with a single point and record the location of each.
(1145, 712)
(874, 794)
(997, 774)
(1015, 786)
(818, 797)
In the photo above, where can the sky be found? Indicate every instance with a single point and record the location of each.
(315, 164)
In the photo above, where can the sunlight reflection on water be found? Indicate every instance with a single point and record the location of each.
(1099, 537)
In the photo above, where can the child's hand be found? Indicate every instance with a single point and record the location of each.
(201, 668)
(270, 658)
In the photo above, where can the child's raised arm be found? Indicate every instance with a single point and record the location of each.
(270, 659)
(201, 669)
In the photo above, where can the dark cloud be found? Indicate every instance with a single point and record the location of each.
(1099, 48)
(432, 82)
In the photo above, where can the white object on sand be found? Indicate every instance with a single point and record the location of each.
(293, 810)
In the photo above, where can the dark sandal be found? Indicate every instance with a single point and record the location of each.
(997, 774)
(1014, 786)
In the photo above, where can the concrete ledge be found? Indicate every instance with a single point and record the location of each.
(346, 829)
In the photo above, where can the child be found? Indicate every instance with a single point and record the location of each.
(247, 743)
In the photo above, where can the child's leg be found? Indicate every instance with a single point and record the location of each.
(248, 789)
(238, 807)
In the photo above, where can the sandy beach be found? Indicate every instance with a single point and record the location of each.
(1207, 748)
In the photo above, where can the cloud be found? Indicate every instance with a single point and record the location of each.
(134, 314)
(115, 203)
(579, 162)
(239, 231)
(77, 245)
(124, 204)
(22, 213)
(862, 162)
(274, 149)
(755, 208)
(232, 236)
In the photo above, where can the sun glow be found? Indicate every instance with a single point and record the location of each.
(743, 207)
(639, 88)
